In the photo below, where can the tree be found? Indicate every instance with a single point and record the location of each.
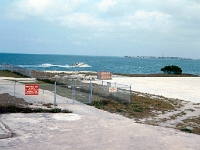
(172, 70)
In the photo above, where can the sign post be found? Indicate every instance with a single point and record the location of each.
(31, 89)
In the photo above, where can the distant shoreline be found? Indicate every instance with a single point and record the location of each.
(154, 57)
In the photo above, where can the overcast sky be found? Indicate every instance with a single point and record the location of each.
(101, 27)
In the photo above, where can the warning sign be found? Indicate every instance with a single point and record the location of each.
(31, 89)
(112, 89)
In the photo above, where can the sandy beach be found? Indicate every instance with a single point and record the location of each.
(91, 128)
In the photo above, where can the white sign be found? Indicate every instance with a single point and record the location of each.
(112, 89)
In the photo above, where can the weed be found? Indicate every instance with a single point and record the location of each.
(196, 131)
(136, 107)
(100, 104)
(186, 130)
(38, 110)
(192, 110)
(54, 110)
(119, 110)
(48, 105)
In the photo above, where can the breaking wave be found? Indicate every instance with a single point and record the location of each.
(52, 65)
(82, 66)
(47, 65)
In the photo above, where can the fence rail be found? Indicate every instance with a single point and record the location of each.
(75, 88)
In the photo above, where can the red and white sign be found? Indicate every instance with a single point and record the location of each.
(112, 89)
(31, 89)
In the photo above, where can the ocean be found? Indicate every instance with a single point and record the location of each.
(112, 64)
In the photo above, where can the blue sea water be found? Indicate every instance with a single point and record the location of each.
(98, 63)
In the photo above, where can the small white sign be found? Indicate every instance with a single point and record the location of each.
(112, 89)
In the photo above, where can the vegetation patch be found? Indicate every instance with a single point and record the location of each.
(172, 69)
(9, 104)
(17, 109)
(139, 107)
(6, 73)
(182, 113)
(186, 130)
(191, 125)
(47, 81)
(48, 105)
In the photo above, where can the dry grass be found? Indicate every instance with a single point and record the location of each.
(145, 108)
(48, 105)
(139, 107)
(191, 125)
(4, 73)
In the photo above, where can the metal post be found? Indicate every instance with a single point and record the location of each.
(102, 88)
(43, 94)
(62, 80)
(14, 92)
(55, 94)
(73, 92)
(90, 97)
(130, 95)
(115, 92)
(30, 73)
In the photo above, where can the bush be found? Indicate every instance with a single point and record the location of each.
(186, 130)
(100, 104)
(17, 109)
(172, 70)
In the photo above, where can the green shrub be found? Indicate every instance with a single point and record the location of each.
(99, 104)
(55, 110)
(172, 69)
(186, 130)
(136, 107)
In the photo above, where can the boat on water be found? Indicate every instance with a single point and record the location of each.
(79, 64)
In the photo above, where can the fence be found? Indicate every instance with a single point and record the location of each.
(27, 72)
(74, 87)
(17, 90)
(118, 92)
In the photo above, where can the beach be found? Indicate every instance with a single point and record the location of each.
(91, 128)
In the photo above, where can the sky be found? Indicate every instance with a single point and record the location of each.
(101, 27)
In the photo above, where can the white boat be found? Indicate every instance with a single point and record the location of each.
(79, 64)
